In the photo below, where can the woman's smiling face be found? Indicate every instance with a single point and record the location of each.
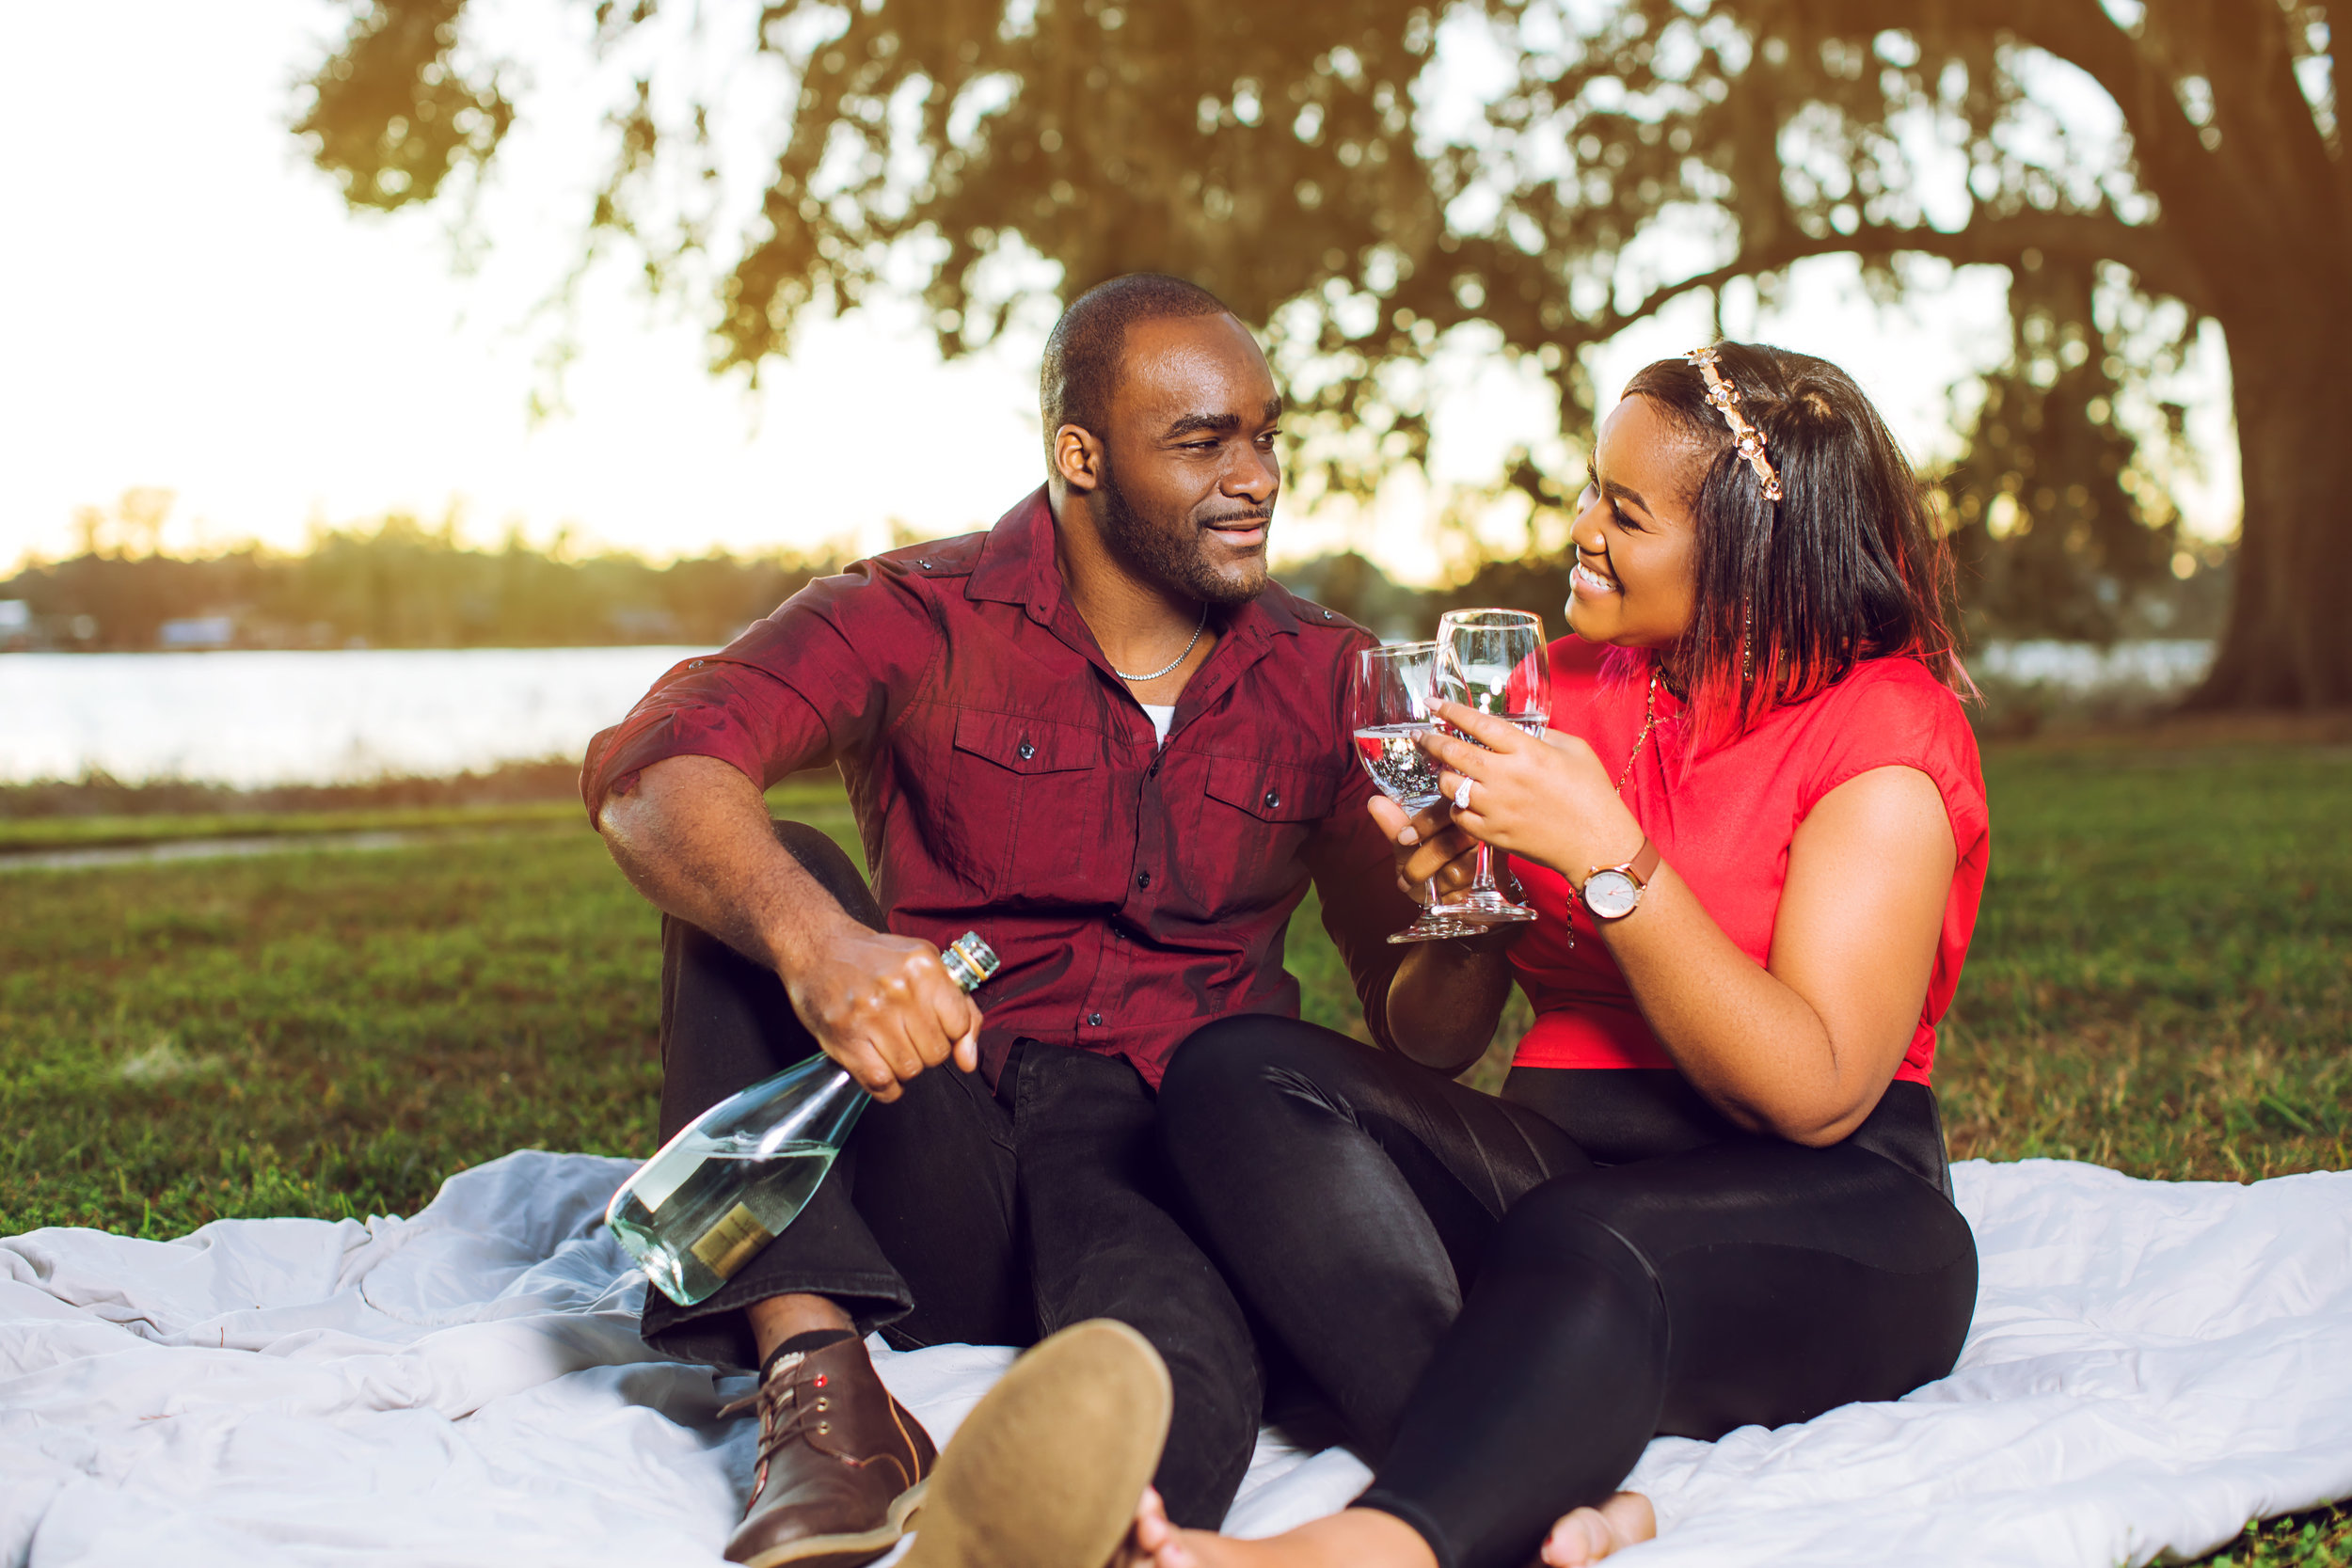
(1636, 578)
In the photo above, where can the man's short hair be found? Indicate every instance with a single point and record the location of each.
(1081, 370)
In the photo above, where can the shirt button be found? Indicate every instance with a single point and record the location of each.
(1028, 751)
(1327, 615)
(1094, 1020)
(1143, 879)
(1273, 798)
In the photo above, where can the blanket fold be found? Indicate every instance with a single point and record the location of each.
(2152, 1365)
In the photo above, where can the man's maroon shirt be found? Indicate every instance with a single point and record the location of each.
(1005, 780)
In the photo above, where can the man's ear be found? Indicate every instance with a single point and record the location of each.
(1078, 457)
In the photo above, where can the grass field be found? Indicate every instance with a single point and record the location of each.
(2161, 981)
(33, 834)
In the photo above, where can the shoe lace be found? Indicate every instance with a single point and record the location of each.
(780, 1418)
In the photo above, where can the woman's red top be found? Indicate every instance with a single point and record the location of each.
(1723, 816)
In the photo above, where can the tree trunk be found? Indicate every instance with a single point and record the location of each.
(2289, 640)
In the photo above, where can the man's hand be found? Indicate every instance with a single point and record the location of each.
(882, 1006)
(1433, 856)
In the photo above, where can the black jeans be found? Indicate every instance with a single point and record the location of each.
(1506, 1299)
(956, 1216)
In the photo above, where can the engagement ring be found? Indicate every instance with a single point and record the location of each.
(1461, 795)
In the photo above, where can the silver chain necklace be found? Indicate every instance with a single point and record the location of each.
(1178, 660)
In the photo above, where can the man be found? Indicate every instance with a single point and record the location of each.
(1100, 736)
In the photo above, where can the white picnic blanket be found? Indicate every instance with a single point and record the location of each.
(2152, 1365)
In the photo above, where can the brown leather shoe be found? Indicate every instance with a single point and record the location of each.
(841, 1464)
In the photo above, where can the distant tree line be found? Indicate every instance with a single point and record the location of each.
(400, 583)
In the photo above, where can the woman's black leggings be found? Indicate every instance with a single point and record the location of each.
(1505, 1299)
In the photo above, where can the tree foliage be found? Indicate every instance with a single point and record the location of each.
(2059, 525)
(1367, 176)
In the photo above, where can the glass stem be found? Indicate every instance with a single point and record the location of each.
(1485, 881)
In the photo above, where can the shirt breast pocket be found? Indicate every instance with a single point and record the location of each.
(1255, 822)
(1024, 804)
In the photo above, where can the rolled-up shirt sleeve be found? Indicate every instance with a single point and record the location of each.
(797, 690)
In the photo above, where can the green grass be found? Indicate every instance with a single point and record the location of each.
(23, 833)
(321, 1034)
(2161, 978)
(2161, 981)
(2319, 1538)
(122, 829)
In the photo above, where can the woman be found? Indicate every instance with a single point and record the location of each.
(1714, 1190)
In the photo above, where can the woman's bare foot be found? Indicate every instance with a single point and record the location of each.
(1358, 1537)
(1151, 1535)
(1367, 1538)
(1589, 1535)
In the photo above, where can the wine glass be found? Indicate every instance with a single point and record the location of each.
(1387, 710)
(1494, 661)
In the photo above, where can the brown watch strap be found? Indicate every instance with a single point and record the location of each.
(1642, 867)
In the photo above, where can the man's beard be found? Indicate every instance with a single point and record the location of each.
(1170, 558)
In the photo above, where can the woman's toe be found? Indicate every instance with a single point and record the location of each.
(1153, 1532)
(1588, 1534)
(1578, 1538)
(1630, 1519)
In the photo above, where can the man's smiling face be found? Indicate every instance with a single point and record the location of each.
(1189, 474)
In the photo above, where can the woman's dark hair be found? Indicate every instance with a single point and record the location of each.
(1847, 565)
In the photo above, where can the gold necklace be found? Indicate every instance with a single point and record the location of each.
(1649, 718)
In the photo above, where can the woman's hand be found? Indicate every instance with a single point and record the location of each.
(1548, 799)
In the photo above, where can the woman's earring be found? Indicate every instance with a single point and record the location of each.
(1747, 650)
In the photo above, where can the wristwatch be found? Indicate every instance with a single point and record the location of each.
(1612, 892)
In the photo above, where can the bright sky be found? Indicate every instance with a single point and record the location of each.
(184, 303)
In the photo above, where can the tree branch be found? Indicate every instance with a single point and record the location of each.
(2162, 265)
(2177, 169)
(2148, 252)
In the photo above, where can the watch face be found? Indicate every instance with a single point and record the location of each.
(1610, 895)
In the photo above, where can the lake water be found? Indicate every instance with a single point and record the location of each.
(2160, 668)
(261, 719)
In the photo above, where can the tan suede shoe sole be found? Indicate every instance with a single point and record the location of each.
(1046, 1471)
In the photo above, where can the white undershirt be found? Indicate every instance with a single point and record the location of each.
(1162, 715)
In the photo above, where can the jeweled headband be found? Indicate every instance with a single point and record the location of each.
(1725, 397)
